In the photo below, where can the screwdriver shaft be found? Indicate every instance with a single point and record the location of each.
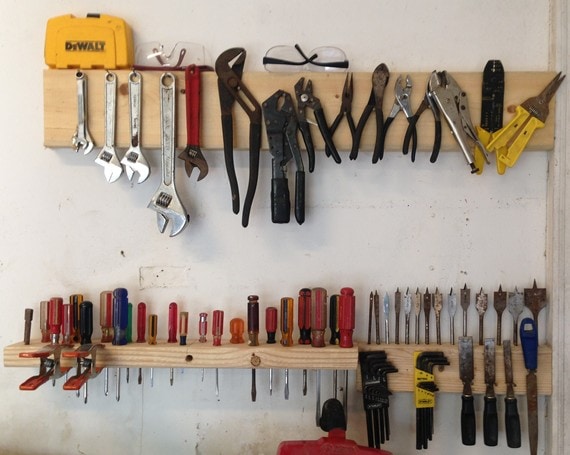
(318, 413)
(286, 383)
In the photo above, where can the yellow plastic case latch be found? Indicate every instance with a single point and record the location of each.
(95, 41)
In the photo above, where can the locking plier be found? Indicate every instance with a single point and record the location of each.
(451, 100)
(281, 125)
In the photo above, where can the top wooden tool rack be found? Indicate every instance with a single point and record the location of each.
(60, 107)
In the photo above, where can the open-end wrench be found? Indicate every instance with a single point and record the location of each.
(165, 201)
(81, 138)
(134, 160)
(107, 156)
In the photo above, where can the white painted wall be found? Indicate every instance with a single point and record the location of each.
(66, 230)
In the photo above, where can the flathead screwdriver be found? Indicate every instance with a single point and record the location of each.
(253, 334)
(304, 319)
(120, 323)
(152, 334)
(141, 329)
(106, 322)
(217, 332)
(172, 330)
(271, 328)
(335, 335)
(318, 326)
(287, 332)
(346, 323)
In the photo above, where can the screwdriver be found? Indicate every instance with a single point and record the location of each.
(253, 334)
(236, 330)
(141, 329)
(120, 322)
(106, 316)
(183, 327)
(85, 314)
(318, 326)
(202, 331)
(75, 300)
(172, 330)
(152, 333)
(271, 328)
(304, 319)
(44, 327)
(287, 332)
(346, 322)
(55, 314)
(129, 332)
(67, 326)
(333, 324)
(217, 332)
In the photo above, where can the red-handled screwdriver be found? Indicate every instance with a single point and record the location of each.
(217, 332)
(67, 328)
(271, 328)
(237, 326)
(141, 329)
(106, 316)
(318, 326)
(202, 331)
(335, 336)
(44, 327)
(287, 332)
(346, 322)
(55, 316)
(152, 334)
(253, 334)
(85, 330)
(75, 300)
(172, 329)
(304, 319)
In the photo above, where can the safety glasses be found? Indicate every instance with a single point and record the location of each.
(182, 54)
(281, 59)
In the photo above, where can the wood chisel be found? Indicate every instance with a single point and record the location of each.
(490, 419)
(512, 419)
(529, 342)
(466, 374)
(499, 303)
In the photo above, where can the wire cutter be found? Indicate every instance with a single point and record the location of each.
(427, 103)
(452, 103)
(306, 99)
(401, 103)
(345, 110)
(281, 126)
(509, 142)
(232, 89)
(380, 78)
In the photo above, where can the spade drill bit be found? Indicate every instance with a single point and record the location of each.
(500, 303)
(417, 310)
(428, 298)
(437, 307)
(481, 302)
(465, 300)
(407, 311)
(370, 309)
(397, 305)
(515, 305)
(377, 315)
(451, 309)
(535, 300)
(386, 318)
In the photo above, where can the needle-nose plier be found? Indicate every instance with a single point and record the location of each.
(345, 110)
(401, 103)
(232, 89)
(380, 78)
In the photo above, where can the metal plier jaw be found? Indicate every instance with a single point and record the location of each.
(281, 126)
(451, 101)
(232, 89)
(50, 367)
(403, 94)
(86, 358)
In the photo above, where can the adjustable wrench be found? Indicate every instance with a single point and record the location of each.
(134, 160)
(107, 156)
(165, 201)
(81, 138)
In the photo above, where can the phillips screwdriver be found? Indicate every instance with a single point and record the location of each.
(407, 312)
(465, 300)
(202, 331)
(120, 322)
(75, 300)
(397, 305)
(417, 310)
(386, 318)
(106, 316)
(346, 323)
(481, 303)
(437, 307)
(172, 330)
(253, 334)
(304, 319)
(28, 316)
(333, 325)
(286, 326)
(152, 334)
(271, 328)
(451, 310)
(318, 326)
(141, 329)
(44, 326)
(217, 332)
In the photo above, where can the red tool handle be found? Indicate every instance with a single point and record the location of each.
(318, 316)
(67, 329)
(287, 319)
(55, 317)
(75, 300)
(346, 316)
(253, 319)
(192, 85)
(203, 327)
(172, 322)
(236, 329)
(44, 326)
(304, 316)
(141, 322)
(106, 316)
(217, 327)
(271, 323)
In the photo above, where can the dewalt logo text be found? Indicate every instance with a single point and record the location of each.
(85, 46)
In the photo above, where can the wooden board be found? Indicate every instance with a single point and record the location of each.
(60, 107)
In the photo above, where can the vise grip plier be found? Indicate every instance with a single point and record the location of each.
(451, 101)
(232, 89)
(281, 126)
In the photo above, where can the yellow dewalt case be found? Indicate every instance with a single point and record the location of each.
(95, 41)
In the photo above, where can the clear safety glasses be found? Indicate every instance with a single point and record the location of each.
(157, 55)
(280, 59)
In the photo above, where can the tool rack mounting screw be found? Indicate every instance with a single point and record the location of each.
(189, 358)
(255, 360)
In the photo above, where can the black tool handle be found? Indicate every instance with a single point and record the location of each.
(300, 197)
(254, 148)
(436, 142)
(490, 422)
(327, 136)
(86, 321)
(412, 121)
(280, 203)
(308, 140)
(512, 423)
(467, 420)
(228, 138)
(360, 129)
(379, 147)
